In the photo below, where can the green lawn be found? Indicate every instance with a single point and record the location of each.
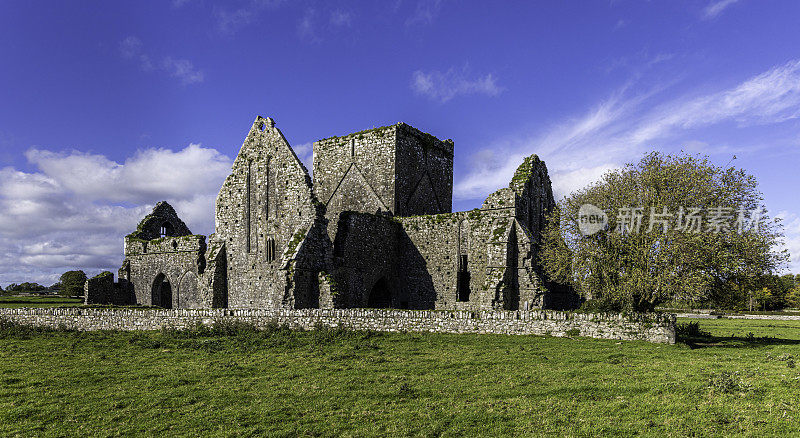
(330, 383)
(37, 301)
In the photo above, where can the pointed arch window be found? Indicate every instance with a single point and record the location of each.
(271, 249)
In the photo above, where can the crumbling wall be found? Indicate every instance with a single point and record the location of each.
(263, 212)
(215, 277)
(395, 168)
(365, 262)
(424, 173)
(178, 260)
(161, 222)
(99, 289)
(438, 247)
(534, 200)
(356, 172)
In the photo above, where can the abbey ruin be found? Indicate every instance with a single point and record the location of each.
(374, 228)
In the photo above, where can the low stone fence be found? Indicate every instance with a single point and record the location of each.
(738, 316)
(645, 327)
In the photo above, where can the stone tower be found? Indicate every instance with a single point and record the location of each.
(396, 169)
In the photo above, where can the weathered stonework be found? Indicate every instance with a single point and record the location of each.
(374, 229)
(637, 327)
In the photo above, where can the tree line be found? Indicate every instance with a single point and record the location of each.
(69, 284)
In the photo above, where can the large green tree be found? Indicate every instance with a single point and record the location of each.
(677, 227)
(72, 283)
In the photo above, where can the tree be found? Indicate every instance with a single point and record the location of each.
(793, 297)
(677, 228)
(72, 283)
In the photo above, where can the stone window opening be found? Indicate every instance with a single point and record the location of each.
(463, 277)
(166, 230)
(270, 249)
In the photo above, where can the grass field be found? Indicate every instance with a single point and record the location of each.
(39, 301)
(233, 381)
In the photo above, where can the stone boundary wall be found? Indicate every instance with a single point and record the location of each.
(645, 327)
(738, 316)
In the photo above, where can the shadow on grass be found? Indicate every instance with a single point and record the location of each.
(694, 337)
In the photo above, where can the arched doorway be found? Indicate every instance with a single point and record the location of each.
(162, 292)
(380, 297)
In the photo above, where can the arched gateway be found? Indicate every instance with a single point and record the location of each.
(162, 292)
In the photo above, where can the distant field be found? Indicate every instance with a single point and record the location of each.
(35, 301)
(235, 381)
(731, 328)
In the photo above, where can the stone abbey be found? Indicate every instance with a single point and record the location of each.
(374, 228)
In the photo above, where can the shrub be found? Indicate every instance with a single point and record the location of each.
(690, 330)
(573, 332)
(727, 382)
(600, 306)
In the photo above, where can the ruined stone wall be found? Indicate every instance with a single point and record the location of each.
(264, 210)
(424, 173)
(475, 242)
(178, 260)
(394, 168)
(356, 172)
(365, 256)
(646, 327)
(161, 222)
(534, 200)
(101, 289)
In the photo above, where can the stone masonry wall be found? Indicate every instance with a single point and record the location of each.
(264, 211)
(438, 245)
(395, 168)
(178, 260)
(646, 327)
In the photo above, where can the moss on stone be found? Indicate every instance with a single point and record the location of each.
(295, 240)
(524, 172)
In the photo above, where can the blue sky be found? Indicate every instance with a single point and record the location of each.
(108, 107)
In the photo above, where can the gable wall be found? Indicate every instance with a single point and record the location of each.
(267, 195)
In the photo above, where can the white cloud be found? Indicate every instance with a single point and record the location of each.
(791, 228)
(305, 153)
(74, 210)
(716, 7)
(182, 69)
(624, 125)
(445, 86)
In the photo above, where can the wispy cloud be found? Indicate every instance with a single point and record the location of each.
(623, 125)
(445, 86)
(229, 21)
(182, 69)
(424, 12)
(716, 7)
(791, 228)
(306, 28)
(340, 18)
